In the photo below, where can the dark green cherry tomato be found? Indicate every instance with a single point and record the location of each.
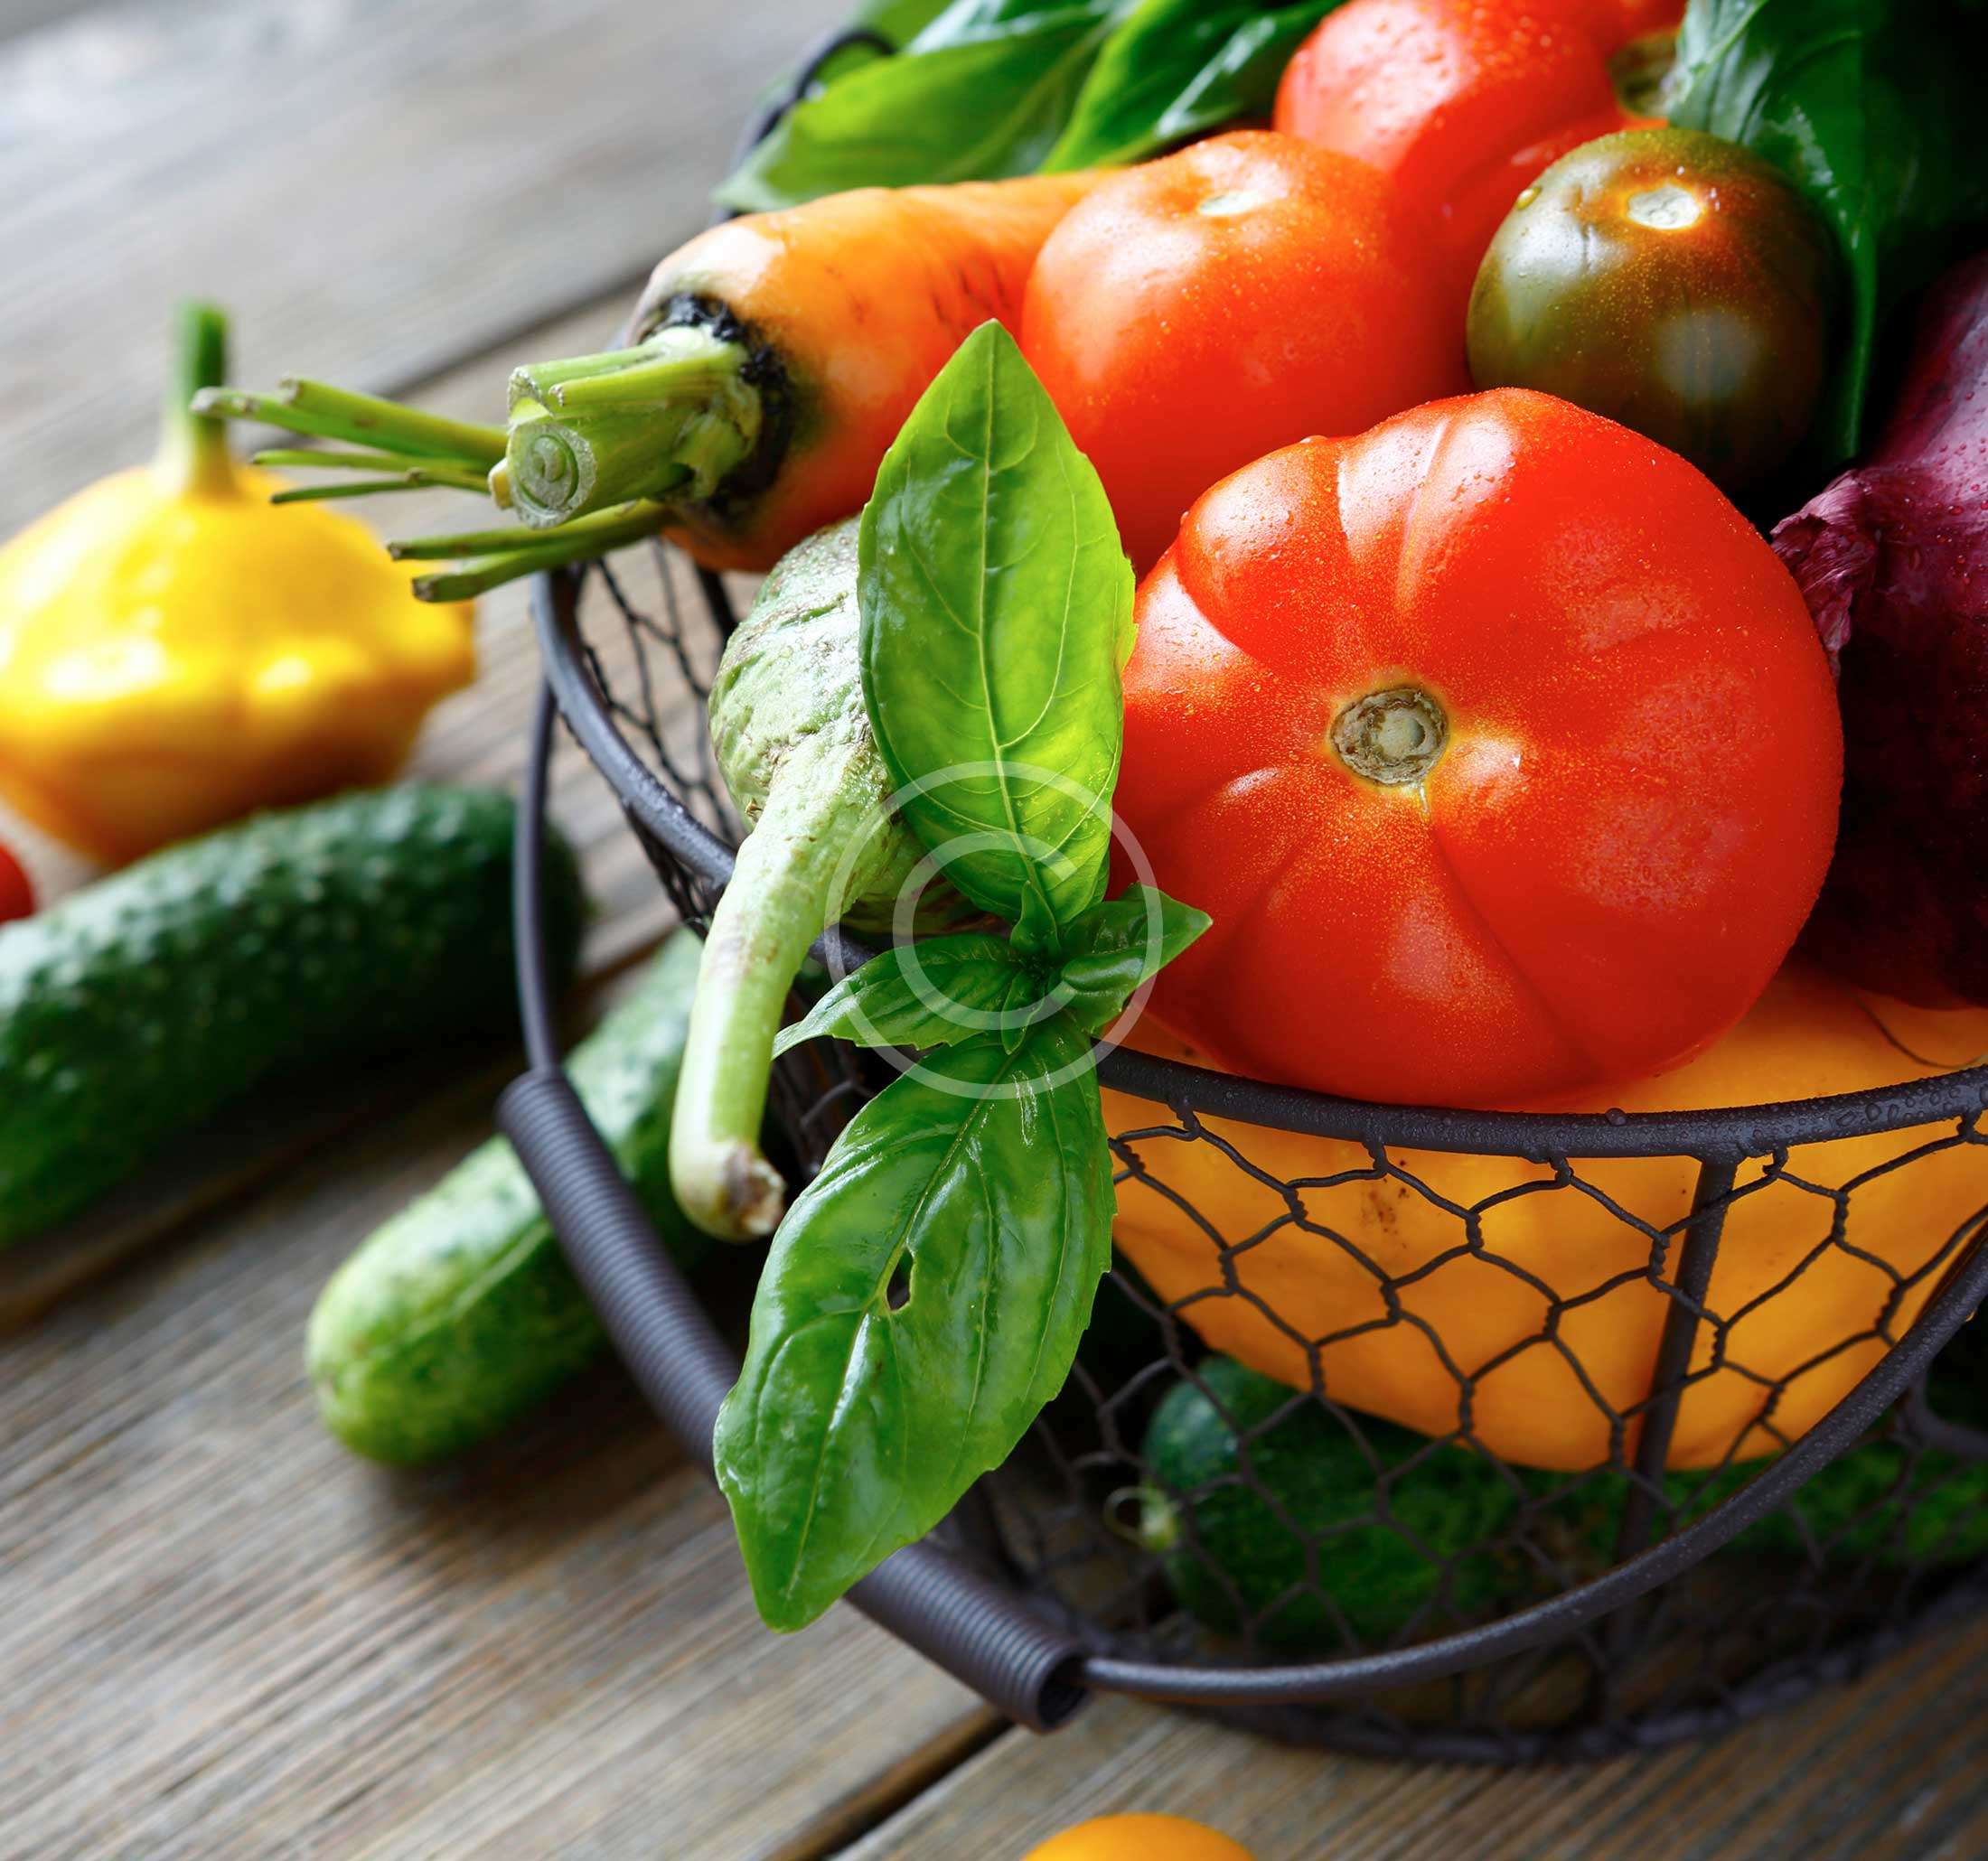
(1671, 281)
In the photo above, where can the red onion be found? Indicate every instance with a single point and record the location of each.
(1893, 559)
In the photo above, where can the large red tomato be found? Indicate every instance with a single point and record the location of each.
(1501, 750)
(1195, 314)
(1463, 103)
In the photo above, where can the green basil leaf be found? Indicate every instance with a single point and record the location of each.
(899, 20)
(1178, 69)
(922, 1301)
(995, 612)
(1113, 948)
(982, 91)
(1871, 107)
(935, 993)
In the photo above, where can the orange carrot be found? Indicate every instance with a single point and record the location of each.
(863, 296)
(768, 366)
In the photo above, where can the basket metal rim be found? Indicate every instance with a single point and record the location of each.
(1736, 1132)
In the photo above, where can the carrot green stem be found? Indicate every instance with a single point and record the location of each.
(635, 523)
(790, 882)
(396, 474)
(365, 488)
(399, 429)
(192, 456)
(670, 416)
(312, 409)
(607, 528)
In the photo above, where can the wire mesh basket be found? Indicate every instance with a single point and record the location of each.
(1573, 1378)
(1695, 1313)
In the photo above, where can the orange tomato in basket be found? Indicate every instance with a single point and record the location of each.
(1193, 313)
(1499, 747)
(1139, 1838)
(1538, 1331)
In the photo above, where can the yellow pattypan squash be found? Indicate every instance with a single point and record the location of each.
(176, 653)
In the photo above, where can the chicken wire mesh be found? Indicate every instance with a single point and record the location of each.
(1366, 1377)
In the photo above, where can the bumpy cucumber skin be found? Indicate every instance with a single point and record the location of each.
(146, 1004)
(1313, 1479)
(460, 1313)
(1237, 1552)
(1880, 1504)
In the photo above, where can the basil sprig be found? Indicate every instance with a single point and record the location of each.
(1871, 107)
(924, 1297)
(981, 91)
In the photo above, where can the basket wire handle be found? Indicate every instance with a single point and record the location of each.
(975, 1631)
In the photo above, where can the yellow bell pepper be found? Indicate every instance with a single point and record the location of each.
(1467, 1340)
(174, 653)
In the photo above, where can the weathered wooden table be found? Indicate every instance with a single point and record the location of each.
(220, 1636)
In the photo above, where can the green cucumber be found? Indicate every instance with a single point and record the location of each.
(150, 1002)
(1261, 1510)
(1239, 1489)
(460, 1313)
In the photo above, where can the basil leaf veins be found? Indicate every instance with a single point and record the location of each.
(981, 91)
(995, 612)
(935, 993)
(922, 1300)
(1180, 69)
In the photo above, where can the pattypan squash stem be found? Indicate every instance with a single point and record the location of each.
(192, 457)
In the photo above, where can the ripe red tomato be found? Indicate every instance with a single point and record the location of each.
(1195, 314)
(1501, 750)
(16, 896)
(1462, 103)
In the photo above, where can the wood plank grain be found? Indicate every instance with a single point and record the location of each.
(376, 190)
(18, 16)
(224, 1637)
(1893, 1769)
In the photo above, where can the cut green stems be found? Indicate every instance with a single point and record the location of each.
(316, 459)
(670, 416)
(395, 475)
(670, 367)
(312, 409)
(610, 526)
(397, 429)
(577, 543)
(367, 488)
